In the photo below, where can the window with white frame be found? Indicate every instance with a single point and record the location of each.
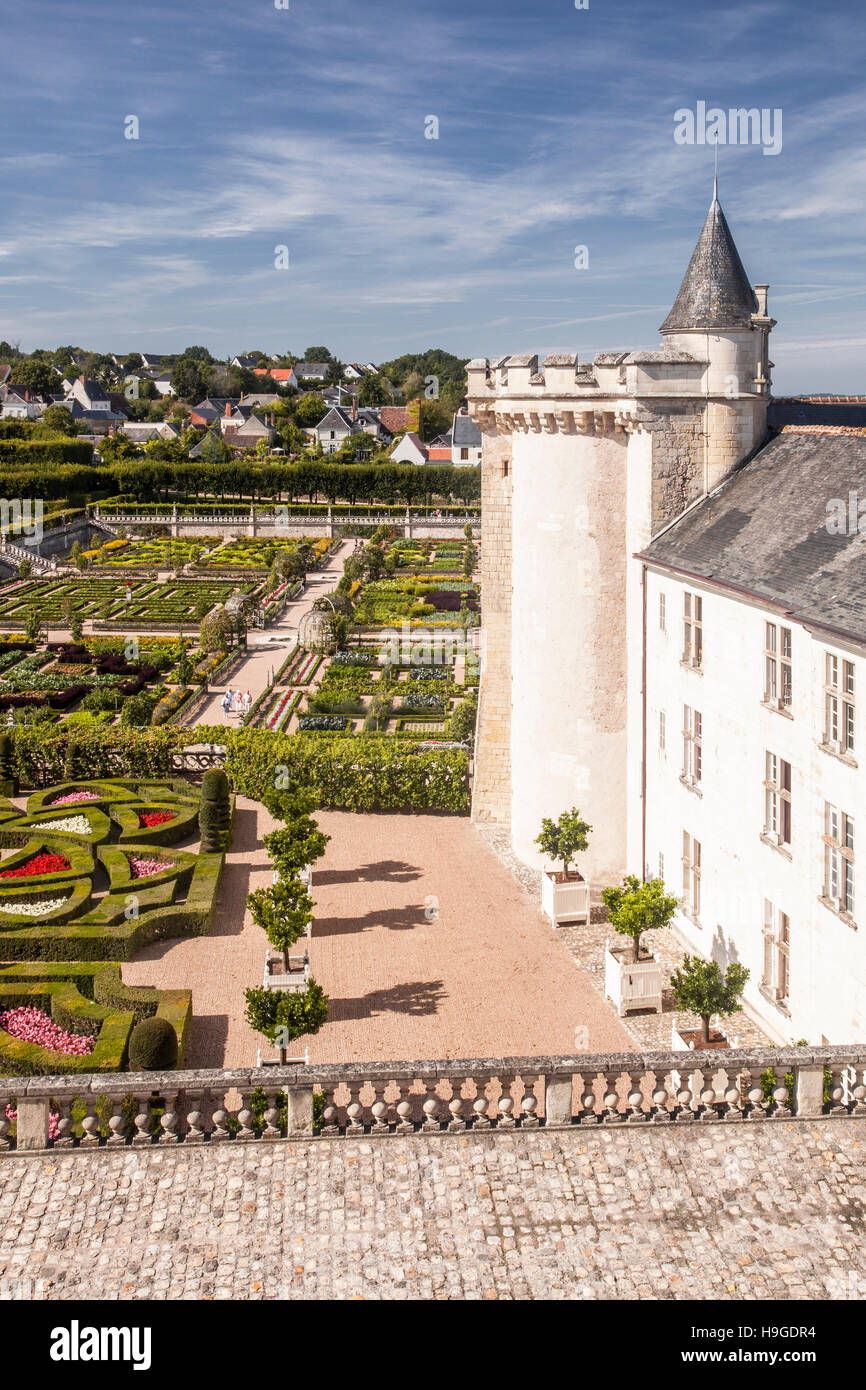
(691, 875)
(838, 703)
(693, 629)
(692, 739)
(777, 665)
(777, 799)
(839, 858)
(663, 613)
(777, 941)
(662, 731)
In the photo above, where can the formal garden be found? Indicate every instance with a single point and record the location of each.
(91, 872)
(138, 604)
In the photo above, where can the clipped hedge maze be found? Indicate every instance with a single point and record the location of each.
(93, 876)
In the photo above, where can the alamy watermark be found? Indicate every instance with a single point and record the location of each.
(22, 517)
(846, 518)
(738, 126)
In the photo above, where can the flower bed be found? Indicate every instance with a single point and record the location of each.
(66, 825)
(308, 668)
(33, 1026)
(71, 797)
(31, 907)
(44, 863)
(148, 819)
(146, 868)
(283, 710)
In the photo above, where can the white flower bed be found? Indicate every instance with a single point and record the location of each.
(68, 825)
(31, 908)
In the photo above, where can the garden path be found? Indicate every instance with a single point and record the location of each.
(268, 648)
(486, 977)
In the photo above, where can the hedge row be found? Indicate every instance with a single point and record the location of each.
(356, 774)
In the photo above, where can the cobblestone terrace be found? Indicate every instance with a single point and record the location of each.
(774, 1210)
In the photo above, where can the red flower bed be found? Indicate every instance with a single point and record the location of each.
(151, 818)
(39, 864)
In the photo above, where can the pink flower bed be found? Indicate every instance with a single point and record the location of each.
(72, 797)
(144, 868)
(53, 1117)
(33, 1026)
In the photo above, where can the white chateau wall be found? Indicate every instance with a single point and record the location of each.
(568, 725)
(739, 870)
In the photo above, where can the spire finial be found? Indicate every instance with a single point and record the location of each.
(716, 173)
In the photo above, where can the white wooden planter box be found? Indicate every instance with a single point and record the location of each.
(564, 902)
(630, 984)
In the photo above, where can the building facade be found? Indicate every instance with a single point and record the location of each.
(672, 649)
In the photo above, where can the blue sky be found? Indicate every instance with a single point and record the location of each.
(305, 127)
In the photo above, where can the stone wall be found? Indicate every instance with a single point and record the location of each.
(491, 795)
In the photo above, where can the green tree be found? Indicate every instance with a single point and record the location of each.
(58, 419)
(76, 625)
(25, 568)
(282, 1017)
(33, 625)
(283, 911)
(562, 839)
(187, 380)
(461, 726)
(700, 988)
(638, 907)
(373, 391)
(35, 376)
(311, 409)
(317, 354)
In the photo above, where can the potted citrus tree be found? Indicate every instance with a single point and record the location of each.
(632, 975)
(564, 892)
(700, 988)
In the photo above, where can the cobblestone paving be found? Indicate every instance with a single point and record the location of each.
(587, 943)
(775, 1210)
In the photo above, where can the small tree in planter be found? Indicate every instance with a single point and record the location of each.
(283, 1017)
(283, 911)
(561, 840)
(700, 988)
(638, 907)
(564, 896)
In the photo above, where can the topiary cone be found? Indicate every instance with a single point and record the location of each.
(214, 817)
(8, 780)
(153, 1046)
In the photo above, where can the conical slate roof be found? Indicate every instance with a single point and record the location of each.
(715, 292)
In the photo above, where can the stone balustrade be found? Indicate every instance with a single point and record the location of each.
(382, 1098)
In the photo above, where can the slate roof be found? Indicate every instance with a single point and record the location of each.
(465, 432)
(764, 532)
(816, 410)
(715, 292)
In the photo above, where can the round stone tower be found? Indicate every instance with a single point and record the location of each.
(582, 464)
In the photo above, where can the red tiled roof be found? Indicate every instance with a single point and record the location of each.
(278, 373)
(395, 417)
(439, 455)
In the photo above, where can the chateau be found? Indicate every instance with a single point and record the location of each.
(673, 635)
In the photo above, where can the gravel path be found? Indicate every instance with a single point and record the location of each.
(485, 976)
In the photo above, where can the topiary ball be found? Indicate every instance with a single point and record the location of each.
(215, 785)
(153, 1046)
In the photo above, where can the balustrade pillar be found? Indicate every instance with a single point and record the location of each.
(611, 1114)
(661, 1114)
(90, 1126)
(707, 1095)
(64, 1138)
(837, 1091)
(557, 1100)
(355, 1112)
(636, 1114)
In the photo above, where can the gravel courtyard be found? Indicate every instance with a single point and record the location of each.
(423, 939)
